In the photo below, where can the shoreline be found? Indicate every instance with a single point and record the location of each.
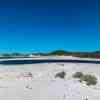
(46, 60)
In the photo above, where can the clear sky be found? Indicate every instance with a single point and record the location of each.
(43, 25)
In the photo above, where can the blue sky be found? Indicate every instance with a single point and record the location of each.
(44, 25)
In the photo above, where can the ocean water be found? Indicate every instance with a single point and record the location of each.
(17, 62)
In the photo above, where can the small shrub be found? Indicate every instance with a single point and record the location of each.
(90, 79)
(60, 75)
(78, 75)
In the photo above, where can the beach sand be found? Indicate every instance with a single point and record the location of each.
(38, 82)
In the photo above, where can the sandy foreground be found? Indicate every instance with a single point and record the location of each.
(38, 82)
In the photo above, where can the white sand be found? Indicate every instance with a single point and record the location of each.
(37, 82)
(52, 57)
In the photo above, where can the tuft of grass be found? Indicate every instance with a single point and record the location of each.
(78, 75)
(60, 75)
(89, 79)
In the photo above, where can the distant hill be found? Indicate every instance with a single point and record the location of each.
(95, 54)
(58, 52)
